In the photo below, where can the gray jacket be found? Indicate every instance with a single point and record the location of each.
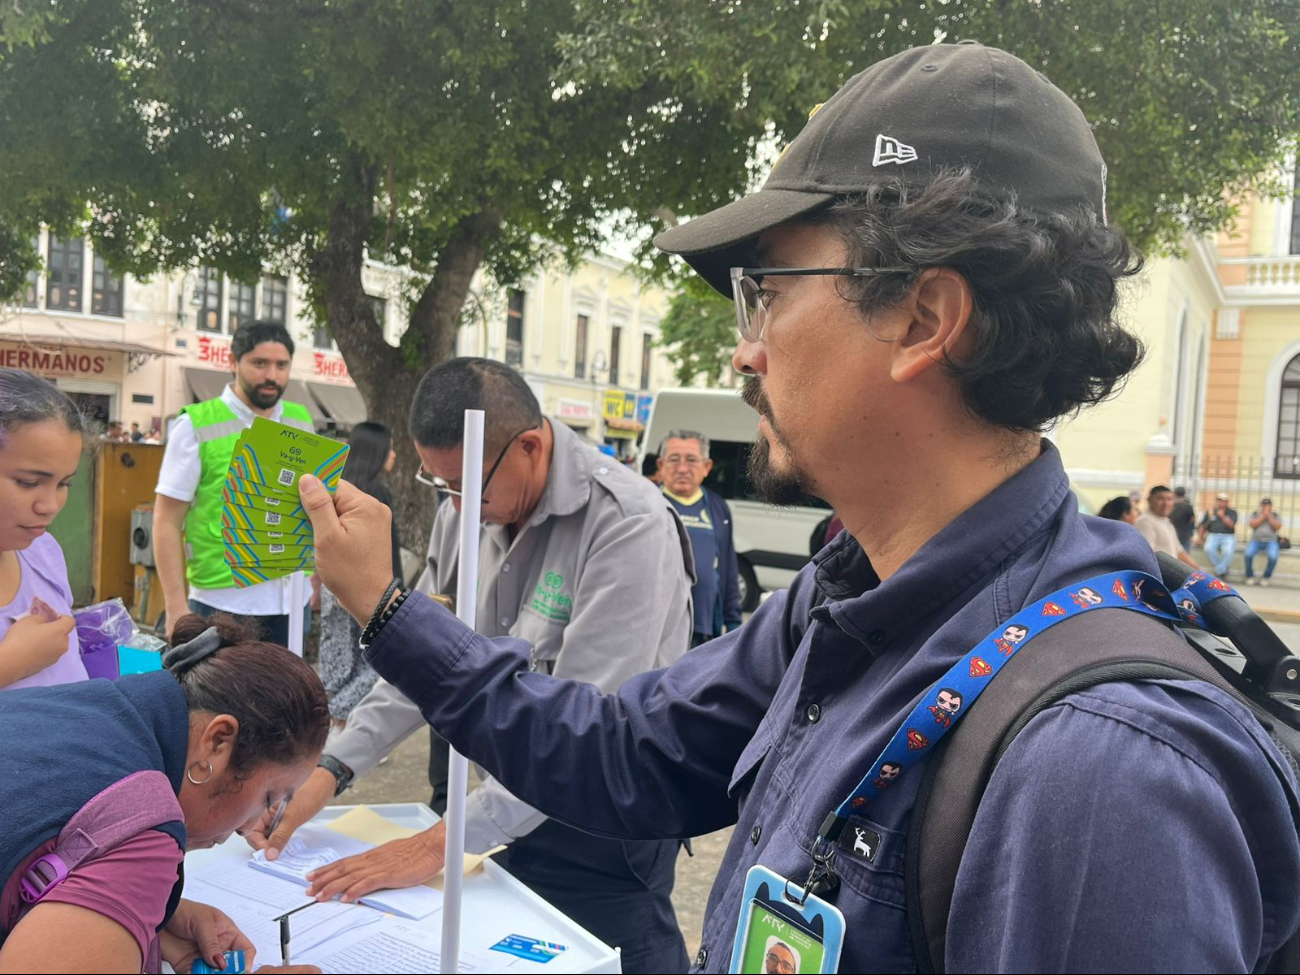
(597, 583)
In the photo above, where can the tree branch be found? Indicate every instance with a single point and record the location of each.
(336, 268)
(435, 316)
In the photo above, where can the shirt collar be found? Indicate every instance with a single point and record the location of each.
(693, 499)
(568, 483)
(967, 549)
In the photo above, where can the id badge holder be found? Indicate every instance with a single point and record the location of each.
(784, 929)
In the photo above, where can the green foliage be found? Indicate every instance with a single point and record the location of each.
(699, 332)
(492, 133)
(1191, 100)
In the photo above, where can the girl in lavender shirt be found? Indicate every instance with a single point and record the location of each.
(40, 446)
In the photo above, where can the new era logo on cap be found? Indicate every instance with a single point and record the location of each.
(890, 150)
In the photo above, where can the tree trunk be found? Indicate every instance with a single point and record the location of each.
(386, 376)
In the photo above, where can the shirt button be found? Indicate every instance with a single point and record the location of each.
(875, 638)
(702, 958)
(505, 621)
(755, 835)
(506, 567)
(814, 713)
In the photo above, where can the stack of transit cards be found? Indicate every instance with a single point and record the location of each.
(265, 528)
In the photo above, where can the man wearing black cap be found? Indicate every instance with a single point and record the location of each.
(924, 283)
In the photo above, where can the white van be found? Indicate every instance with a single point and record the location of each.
(772, 543)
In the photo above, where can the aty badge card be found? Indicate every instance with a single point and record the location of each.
(236, 517)
(252, 537)
(277, 455)
(242, 553)
(252, 575)
(231, 494)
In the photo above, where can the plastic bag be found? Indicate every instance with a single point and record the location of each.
(100, 629)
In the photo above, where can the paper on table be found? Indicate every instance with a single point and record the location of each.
(366, 825)
(253, 901)
(314, 846)
(390, 946)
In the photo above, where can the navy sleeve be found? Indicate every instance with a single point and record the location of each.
(1132, 827)
(652, 761)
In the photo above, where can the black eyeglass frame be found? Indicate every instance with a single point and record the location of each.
(753, 275)
(430, 480)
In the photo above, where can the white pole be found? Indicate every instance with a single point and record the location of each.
(471, 501)
(297, 580)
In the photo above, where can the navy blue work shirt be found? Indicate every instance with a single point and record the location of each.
(1134, 827)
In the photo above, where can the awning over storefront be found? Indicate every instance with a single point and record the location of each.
(344, 404)
(296, 392)
(206, 383)
(83, 342)
(631, 426)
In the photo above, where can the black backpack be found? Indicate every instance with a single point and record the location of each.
(1257, 669)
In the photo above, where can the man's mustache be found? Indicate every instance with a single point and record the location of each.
(755, 396)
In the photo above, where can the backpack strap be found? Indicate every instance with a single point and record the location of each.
(1094, 648)
(139, 802)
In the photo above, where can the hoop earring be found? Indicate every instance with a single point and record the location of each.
(189, 773)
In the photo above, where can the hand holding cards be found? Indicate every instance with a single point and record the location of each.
(267, 534)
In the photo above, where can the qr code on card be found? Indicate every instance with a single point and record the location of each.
(277, 548)
(286, 476)
(273, 517)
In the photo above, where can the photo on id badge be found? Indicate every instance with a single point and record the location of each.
(778, 935)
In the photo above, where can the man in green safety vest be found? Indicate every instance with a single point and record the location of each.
(187, 538)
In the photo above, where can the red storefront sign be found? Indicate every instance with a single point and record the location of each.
(331, 367)
(215, 353)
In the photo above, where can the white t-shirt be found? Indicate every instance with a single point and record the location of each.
(179, 479)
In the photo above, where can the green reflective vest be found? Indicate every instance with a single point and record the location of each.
(217, 429)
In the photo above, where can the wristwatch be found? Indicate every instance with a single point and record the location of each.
(343, 775)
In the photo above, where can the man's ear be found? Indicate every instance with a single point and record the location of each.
(938, 310)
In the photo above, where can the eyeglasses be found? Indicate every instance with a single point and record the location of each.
(782, 965)
(673, 460)
(752, 300)
(438, 484)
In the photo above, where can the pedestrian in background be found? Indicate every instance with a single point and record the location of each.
(684, 463)
(1264, 528)
(1158, 530)
(1120, 509)
(650, 469)
(345, 674)
(1183, 518)
(1218, 534)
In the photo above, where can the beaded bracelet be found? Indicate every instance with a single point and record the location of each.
(372, 626)
(368, 637)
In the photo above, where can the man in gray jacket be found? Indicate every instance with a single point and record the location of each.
(584, 562)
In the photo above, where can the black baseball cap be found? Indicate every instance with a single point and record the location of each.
(927, 109)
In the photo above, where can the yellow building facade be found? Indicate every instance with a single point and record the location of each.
(1216, 405)
(585, 338)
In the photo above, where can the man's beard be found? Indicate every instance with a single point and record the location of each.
(779, 487)
(263, 399)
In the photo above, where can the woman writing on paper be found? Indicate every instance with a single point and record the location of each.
(41, 439)
(146, 767)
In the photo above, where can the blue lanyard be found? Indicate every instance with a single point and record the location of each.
(952, 695)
